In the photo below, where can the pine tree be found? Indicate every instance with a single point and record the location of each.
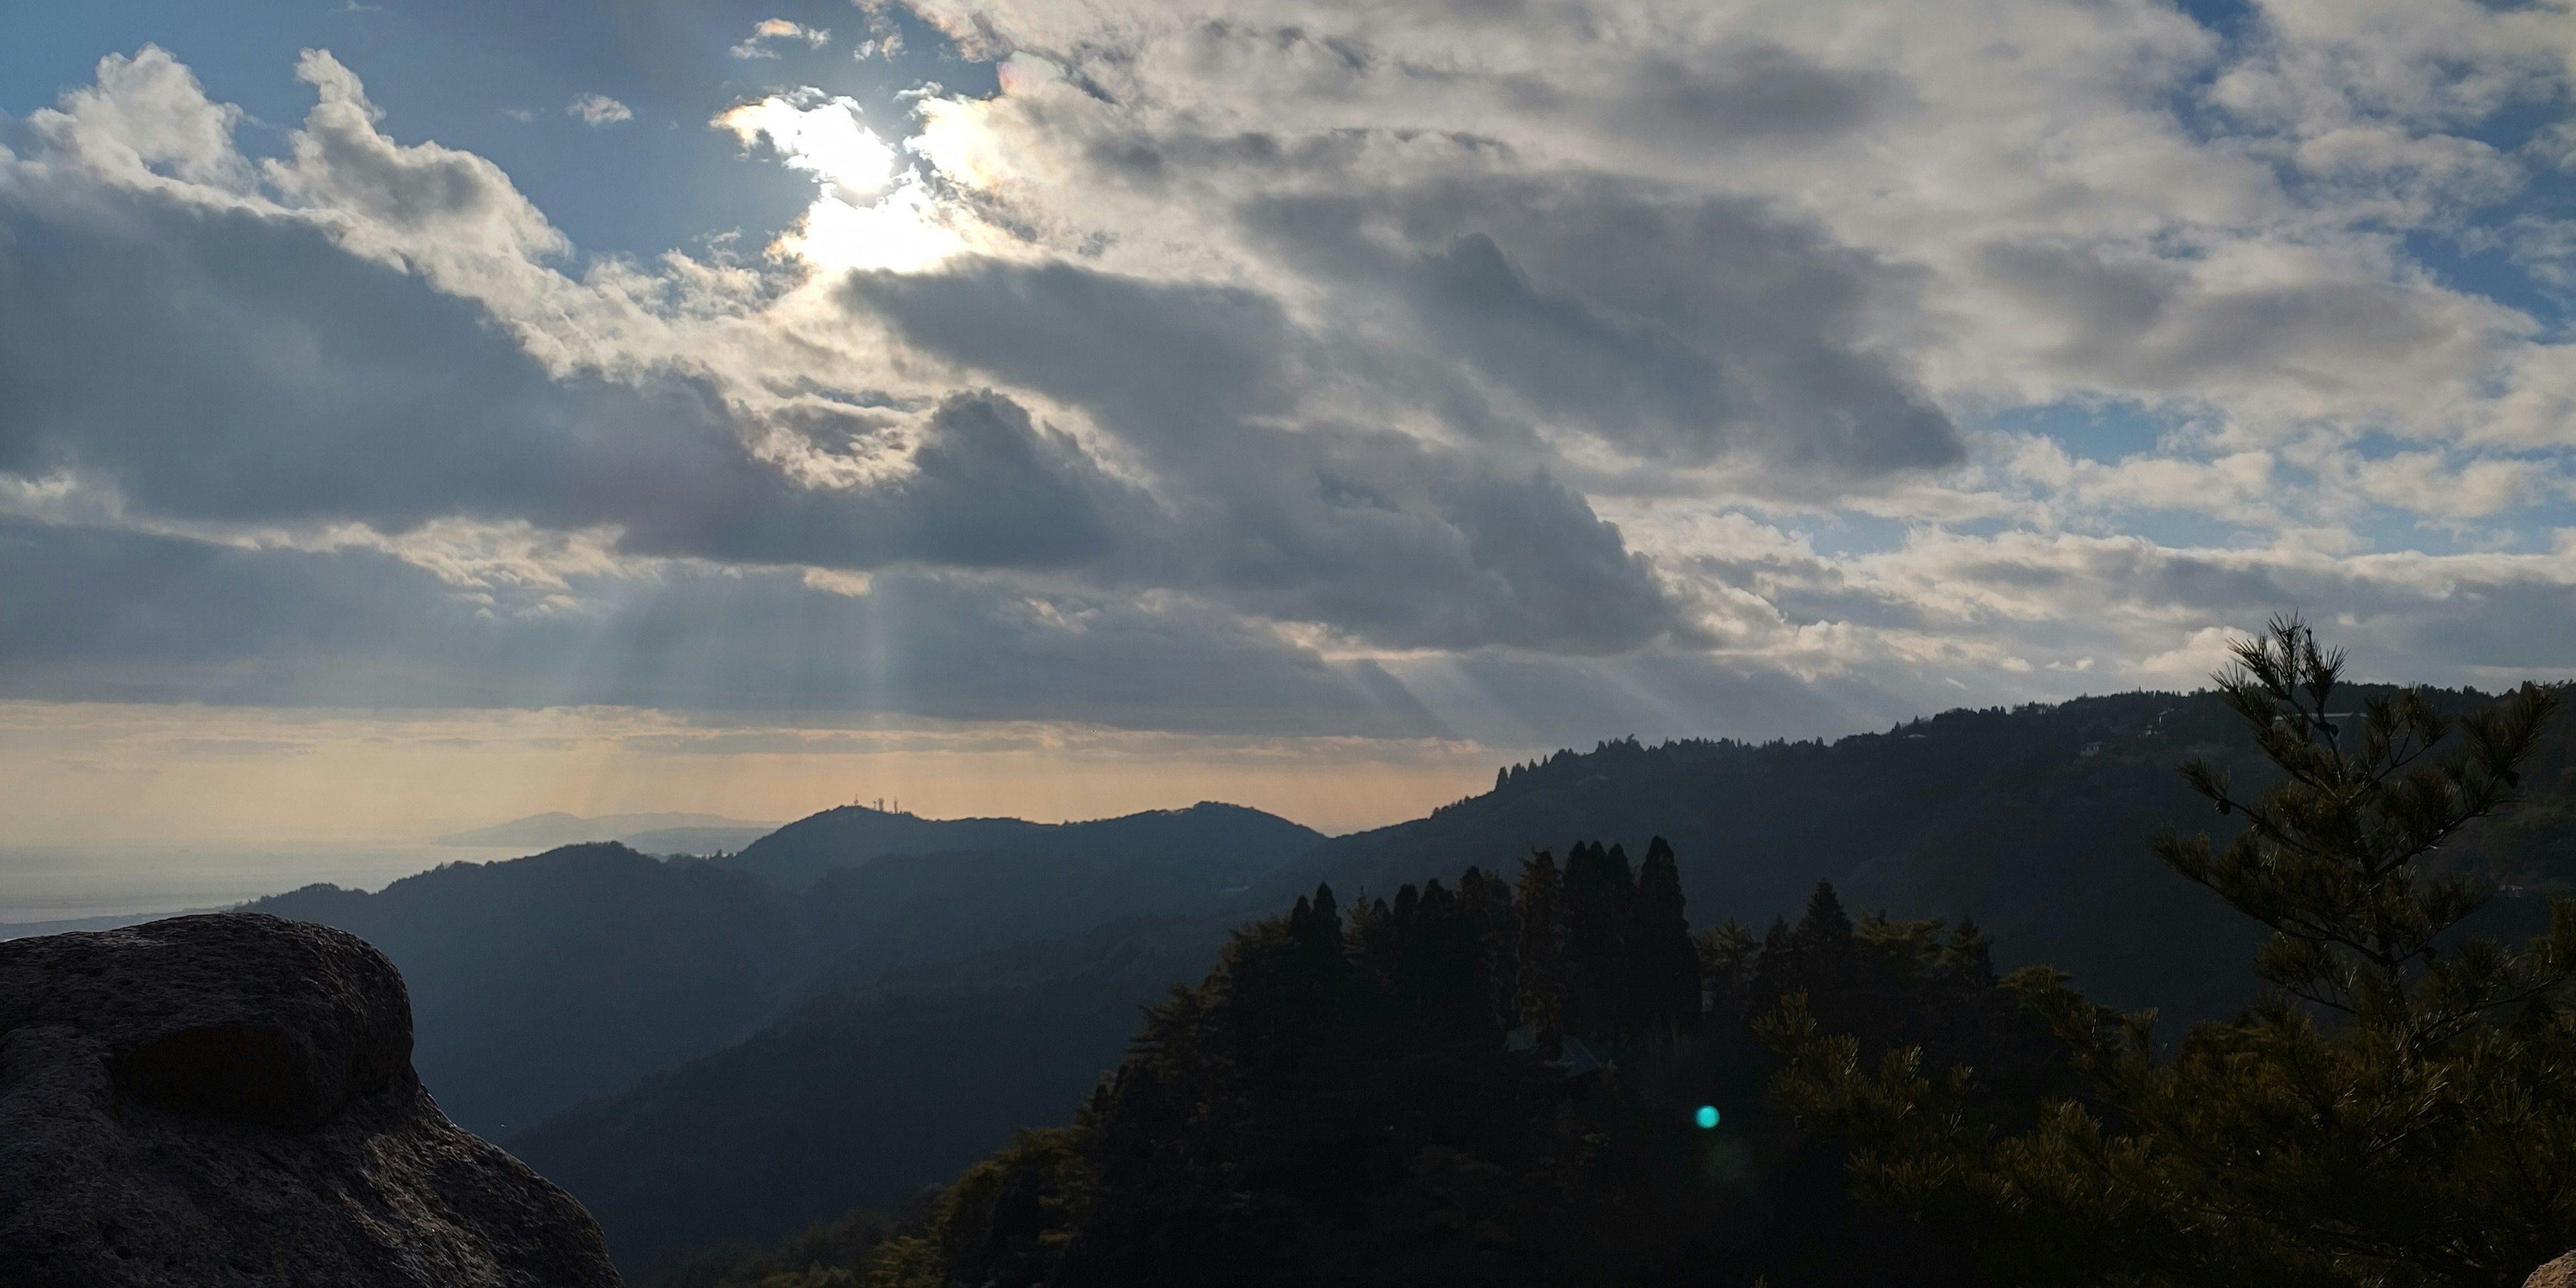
(1487, 900)
(1370, 935)
(1540, 949)
(1663, 962)
(1727, 954)
(1771, 975)
(1600, 907)
(1440, 971)
(2399, 1111)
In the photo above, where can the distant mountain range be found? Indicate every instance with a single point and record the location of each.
(538, 982)
(652, 833)
(1209, 845)
(858, 1002)
(2032, 821)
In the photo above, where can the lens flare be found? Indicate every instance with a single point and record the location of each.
(1706, 1117)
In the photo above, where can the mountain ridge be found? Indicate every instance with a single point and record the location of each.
(799, 853)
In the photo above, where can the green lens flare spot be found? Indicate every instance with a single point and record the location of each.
(1706, 1117)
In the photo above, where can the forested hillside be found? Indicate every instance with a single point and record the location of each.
(861, 1095)
(1554, 1081)
(542, 981)
(2034, 821)
(1365, 1099)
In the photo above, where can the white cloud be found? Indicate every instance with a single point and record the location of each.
(598, 110)
(779, 29)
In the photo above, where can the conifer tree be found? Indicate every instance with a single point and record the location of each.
(1370, 936)
(2400, 1110)
(1487, 901)
(1600, 907)
(1771, 969)
(1727, 954)
(1316, 928)
(1440, 972)
(1663, 962)
(1540, 948)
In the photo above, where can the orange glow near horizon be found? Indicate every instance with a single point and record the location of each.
(74, 773)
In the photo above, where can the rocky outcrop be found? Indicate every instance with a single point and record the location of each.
(229, 1100)
(2557, 1274)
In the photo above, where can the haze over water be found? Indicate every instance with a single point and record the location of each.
(61, 882)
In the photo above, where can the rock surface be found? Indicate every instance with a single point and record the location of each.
(2557, 1274)
(229, 1100)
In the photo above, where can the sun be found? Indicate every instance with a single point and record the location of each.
(871, 211)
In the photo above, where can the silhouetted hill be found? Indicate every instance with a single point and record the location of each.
(2033, 821)
(539, 981)
(558, 828)
(1209, 845)
(897, 910)
(544, 980)
(862, 1094)
(1999, 815)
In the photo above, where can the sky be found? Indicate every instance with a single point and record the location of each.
(412, 416)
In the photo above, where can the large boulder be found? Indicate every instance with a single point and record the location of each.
(229, 1100)
(2557, 1274)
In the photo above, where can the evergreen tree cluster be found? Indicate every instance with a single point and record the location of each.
(1391, 1092)
(2399, 1111)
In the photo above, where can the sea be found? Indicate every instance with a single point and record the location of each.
(51, 887)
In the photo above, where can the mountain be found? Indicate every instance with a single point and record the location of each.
(2033, 822)
(545, 831)
(541, 981)
(536, 982)
(1208, 846)
(863, 1094)
(899, 910)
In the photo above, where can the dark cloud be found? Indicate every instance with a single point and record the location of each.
(2145, 324)
(1750, 90)
(1374, 533)
(230, 367)
(1172, 366)
(987, 489)
(97, 615)
(1677, 327)
(224, 366)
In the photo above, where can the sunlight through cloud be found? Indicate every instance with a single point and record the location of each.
(871, 212)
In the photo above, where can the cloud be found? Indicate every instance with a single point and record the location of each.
(160, 620)
(821, 136)
(598, 111)
(1373, 533)
(769, 29)
(1466, 371)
